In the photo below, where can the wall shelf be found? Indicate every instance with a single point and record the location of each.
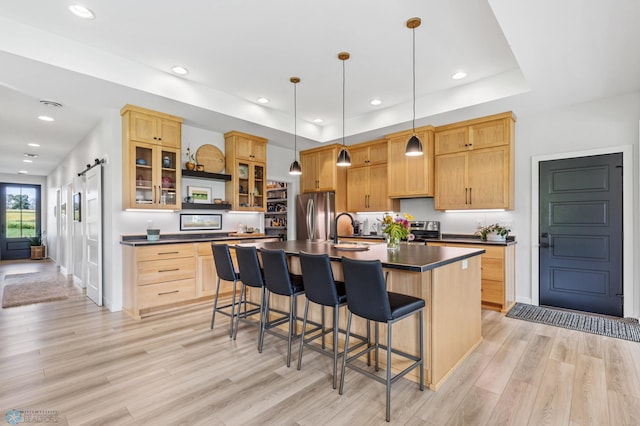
(203, 206)
(206, 175)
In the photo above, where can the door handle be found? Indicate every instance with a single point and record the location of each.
(470, 199)
(545, 237)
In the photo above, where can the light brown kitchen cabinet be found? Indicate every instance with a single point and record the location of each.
(321, 174)
(367, 179)
(157, 277)
(498, 274)
(245, 157)
(248, 147)
(474, 164)
(153, 127)
(151, 169)
(369, 153)
(410, 177)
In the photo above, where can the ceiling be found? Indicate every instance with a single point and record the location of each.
(529, 55)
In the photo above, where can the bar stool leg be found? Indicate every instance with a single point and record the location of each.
(265, 320)
(336, 325)
(377, 345)
(344, 355)
(292, 324)
(304, 328)
(243, 292)
(233, 306)
(421, 354)
(388, 371)
(215, 303)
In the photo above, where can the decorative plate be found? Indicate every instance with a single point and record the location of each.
(211, 157)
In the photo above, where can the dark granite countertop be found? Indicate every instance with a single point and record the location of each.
(141, 240)
(418, 258)
(446, 238)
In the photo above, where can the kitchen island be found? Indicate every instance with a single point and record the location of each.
(448, 279)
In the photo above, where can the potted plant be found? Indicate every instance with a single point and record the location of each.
(191, 159)
(38, 249)
(495, 232)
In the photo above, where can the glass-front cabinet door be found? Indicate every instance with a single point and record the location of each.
(157, 178)
(251, 186)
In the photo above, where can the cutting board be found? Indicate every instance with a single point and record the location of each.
(211, 157)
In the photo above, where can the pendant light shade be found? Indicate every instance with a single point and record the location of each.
(414, 146)
(344, 159)
(295, 168)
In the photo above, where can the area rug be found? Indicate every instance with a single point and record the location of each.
(626, 328)
(37, 287)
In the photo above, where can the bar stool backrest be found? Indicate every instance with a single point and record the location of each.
(276, 272)
(366, 289)
(319, 285)
(222, 260)
(249, 266)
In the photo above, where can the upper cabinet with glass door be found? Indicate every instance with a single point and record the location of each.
(245, 157)
(151, 160)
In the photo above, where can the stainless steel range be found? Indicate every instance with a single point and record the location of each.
(425, 230)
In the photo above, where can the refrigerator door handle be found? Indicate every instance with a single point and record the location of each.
(311, 214)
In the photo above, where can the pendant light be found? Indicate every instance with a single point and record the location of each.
(295, 168)
(414, 146)
(344, 159)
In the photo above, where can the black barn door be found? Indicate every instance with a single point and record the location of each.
(581, 234)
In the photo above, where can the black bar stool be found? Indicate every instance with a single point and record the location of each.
(249, 267)
(279, 280)
(321, 288)
(225, 271)
(367, 297)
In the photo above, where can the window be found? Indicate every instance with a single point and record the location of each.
(21, 205)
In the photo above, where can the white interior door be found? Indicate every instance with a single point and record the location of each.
(93, 234)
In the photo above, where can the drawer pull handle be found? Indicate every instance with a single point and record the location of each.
(169, 270)
(169, 252)
(168, 292)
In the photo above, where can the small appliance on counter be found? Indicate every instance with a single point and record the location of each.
(425, 230)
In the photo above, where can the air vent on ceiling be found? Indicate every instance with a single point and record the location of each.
(52, 104)
(29, 155)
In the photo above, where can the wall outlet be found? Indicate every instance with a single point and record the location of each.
(465, 264)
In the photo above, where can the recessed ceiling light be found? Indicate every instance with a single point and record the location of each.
(459, 75)
(22, 172)
(81, 11)
(45, 118)
(180, 70)
(35, 145)
(376, 102)
(27, 161)
(318, 120)
(263, 100)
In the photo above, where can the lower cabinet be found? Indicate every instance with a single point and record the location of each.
(498, 274)
(162, 277)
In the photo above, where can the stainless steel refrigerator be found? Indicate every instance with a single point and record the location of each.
(314, 216)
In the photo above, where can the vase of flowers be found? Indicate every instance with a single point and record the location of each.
(396, 229)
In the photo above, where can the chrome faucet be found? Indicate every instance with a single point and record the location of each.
(335, 225)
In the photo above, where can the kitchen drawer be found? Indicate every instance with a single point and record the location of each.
(157, 271)
(492, 291)
(492, 269)
(491, 251)
(153, 295)
(165, 251)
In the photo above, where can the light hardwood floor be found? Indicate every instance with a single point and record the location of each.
(93, 366)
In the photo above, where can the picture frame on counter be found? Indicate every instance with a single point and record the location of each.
(199, 194)
(200, 222)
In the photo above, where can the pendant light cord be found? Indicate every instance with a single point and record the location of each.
(343, 103)
(295, 121)
(413, 30)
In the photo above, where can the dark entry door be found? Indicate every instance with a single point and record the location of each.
(19, 219)
(581, 234)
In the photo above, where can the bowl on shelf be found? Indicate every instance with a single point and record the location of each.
(141, 161)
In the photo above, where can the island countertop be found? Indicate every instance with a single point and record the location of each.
(416, 258)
